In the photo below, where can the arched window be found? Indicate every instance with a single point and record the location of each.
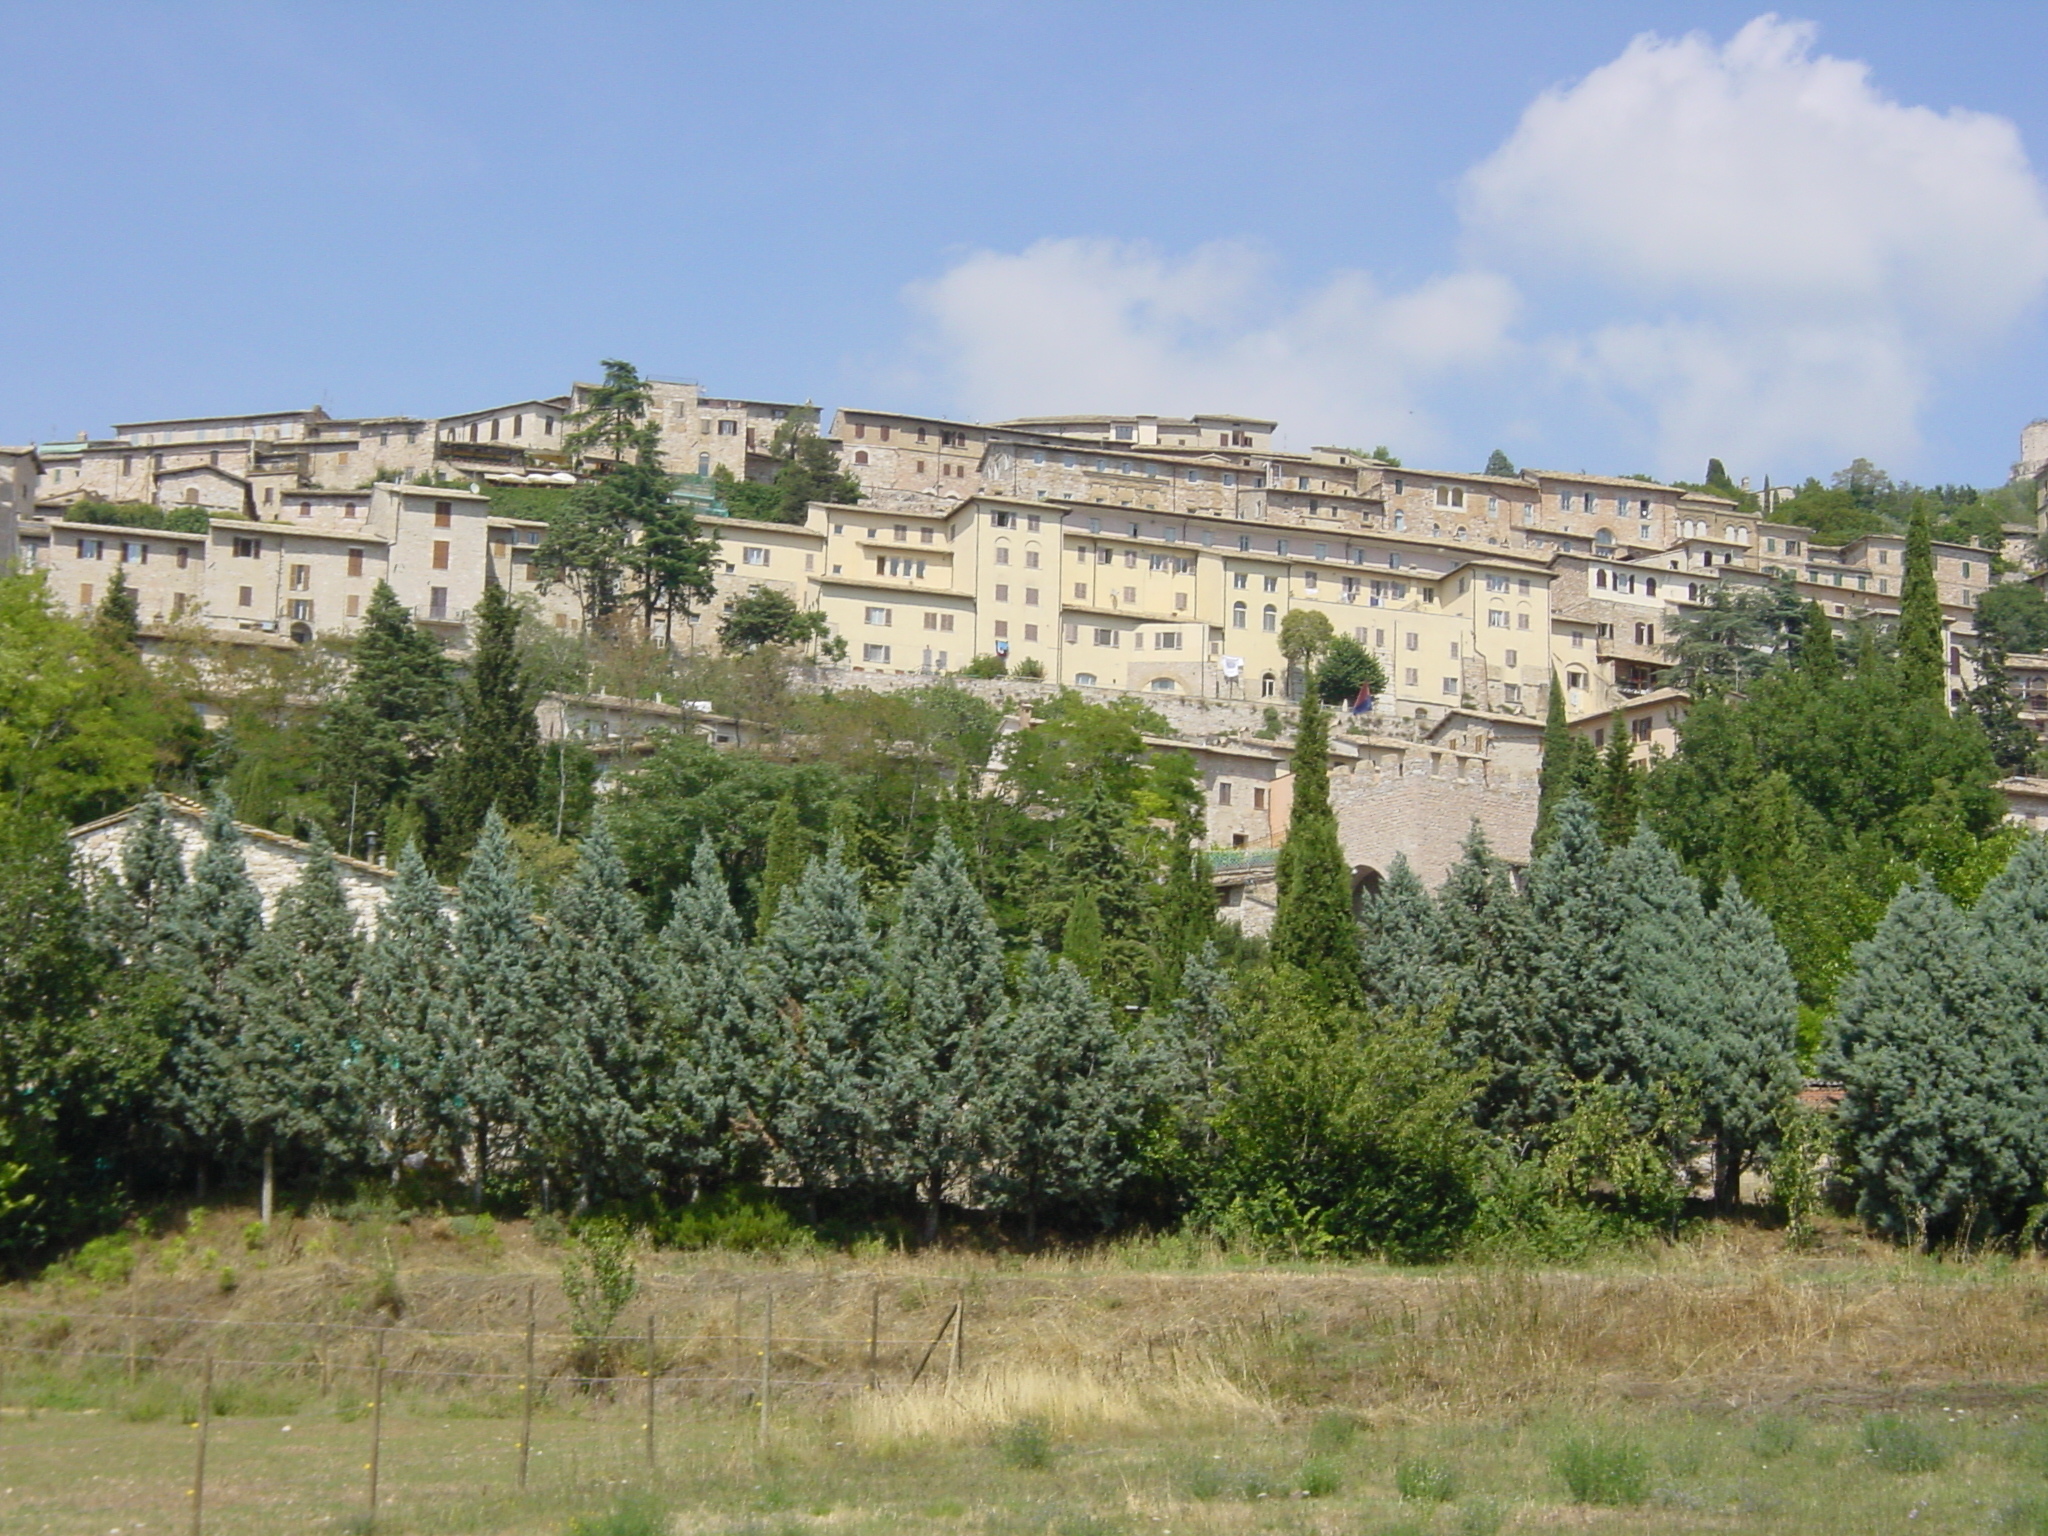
(860, 456)
(1084, 679)
(1267, 686)
(704, 465)
(1269, 618)
(1161, 685)
(1238, 612)
(1649, 586)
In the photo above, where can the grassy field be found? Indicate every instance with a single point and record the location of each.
(1719, 1384)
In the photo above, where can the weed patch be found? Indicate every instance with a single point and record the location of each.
(1603, 1470)
(1899, 1445)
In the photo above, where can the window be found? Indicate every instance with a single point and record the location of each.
(1414, 641)
(1521, 621)
(1258, 792)
(1271, 583)
(1237, 615)
(860, 456)
(1084, 679)
(730, 428)
(879, 616)
(1646, 634)
(1223, 791)
(1496, 618)
(1105, 637)
(1268, 686)
(440, 554)
(1002, 554)
(133, 553)
(875, 653)
(245, 549)
(1639, 730)
(1030, 559)
(1031, 632)
(355, 562)
(939, 621)
(246, 597)
(1511, 658)
(184, 557)
(1496, 583)
(1578, 639)
(1511, 693)
(1130, 594)
(1002, 593)
(1269, 618)
(301, 610)
(1080, 591)
(1451, 687)
(1031, 597)
(1410, 678)
(302, 578)
(355, 605)
(437, 602)
(1450, 496)
(753, 554)
(1002, 629)
(85, 594)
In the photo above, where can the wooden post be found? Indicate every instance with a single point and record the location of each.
(650, 1394)
(199, 1459)
(767, 1353)
(526, 1396)
(376, 1423)
(131, 1357)
(739, 1297)
(926, 1359)
(326, 1359)
(874, 1337)
(959, 1361)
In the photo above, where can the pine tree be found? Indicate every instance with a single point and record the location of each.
(712, 1053)
(133, 904)
(1060, 1102)
(1749, 1068)
(1498, 463)
(119, 618)
(2013, 745)
(1313, 929)
(594, 1103)
(823, 981)
(1926, 1122)
(1486, 954)
(498, 1012)
(411, 1021)
(1619, 796)
(497, 759)
(379, 741)
(209, 928)
(2012, 915)
(1818, 658)
(1921, 644)
(1565, 769)
(1580, 1014)
(946, 997)
(1666, 942)
(782, 862)
(1398, 944)
(299, 1076)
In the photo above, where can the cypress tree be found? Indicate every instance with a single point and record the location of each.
(946, 970)
(1485, 952)
(1081, 938)
(594, 1105)
(823, 981)
(713, 1065)
(1921, 646)
(2012, 915)
(1666, 945)
(209, 928)
(497, 1009)
(497, 759)
(300, 1079)
(1313, 929)
(782, 862)
(410, 1018)
(119, 617)
(1579, 994)
(1398, 944)
(1749, 1069)
(1926, 1122)
(1060, 1102)
(132, 905)
(1619, 795)
(1564, 768)
(1818, 657)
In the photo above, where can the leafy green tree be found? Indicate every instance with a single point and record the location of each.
(1498, 463)
(1921, 646)
(1722, 643)
(806, 470)
(1305, 635)
(612, 418)
(2013, 617)
(1991, 700)
(946, 994)
(1346, 670)
(1568, 765)
(1059, 1103)
(497, 759)
(595, 1101)
(1398, 945)
(299, 1077)
(1818, 659)
(767, 616)
(783, 864)
(819, 1102)
(380, 742)
(410, 1019)
(1312, 926)
(1081, 938)
(1343, 1133)
(496, 1000)
(83, 725)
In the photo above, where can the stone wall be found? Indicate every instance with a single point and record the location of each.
(1427, 815)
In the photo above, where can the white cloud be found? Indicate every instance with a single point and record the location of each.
(1100, 325)
(1786, 254)
(1743, 249)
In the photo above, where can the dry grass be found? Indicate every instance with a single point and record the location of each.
(1069, 1402)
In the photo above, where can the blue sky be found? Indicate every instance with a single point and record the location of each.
(1602, 236)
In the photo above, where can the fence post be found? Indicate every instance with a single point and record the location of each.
(376, 1423)
(526, 1396)
(874, 1336)
(739, 1297)
(650, 1394)
(131, 1357)
(959, 1356)
(926, 1359)
(767, 1352)
(199, 1459)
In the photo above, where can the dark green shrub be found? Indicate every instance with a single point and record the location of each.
(1898, 1445)
(1423, 1481)
(637, 1514)
(106, 1260)
(1332, 1432)
(1320, 1478)
(737, 1220)
(1600, 1470)
(1775, 1438)
(1026, 1443)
